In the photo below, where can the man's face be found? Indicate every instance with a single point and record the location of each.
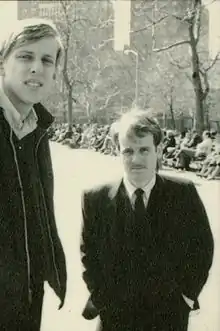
(139, 158)
(29, 70)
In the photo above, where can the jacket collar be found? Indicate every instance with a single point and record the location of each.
(116, 184)
(45, 119)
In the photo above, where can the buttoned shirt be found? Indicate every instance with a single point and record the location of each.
(131, 190)
(21, 125)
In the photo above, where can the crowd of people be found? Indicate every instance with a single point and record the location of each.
(191, 151)
(183, 151)
(88, 136)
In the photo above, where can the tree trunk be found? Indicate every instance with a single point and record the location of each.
(197, 84)
(173, 123)
(181, 123)
(164, 120)
(70, 109)
(207, 122)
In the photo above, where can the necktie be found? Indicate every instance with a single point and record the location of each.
(139, 207)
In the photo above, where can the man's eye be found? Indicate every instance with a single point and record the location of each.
(144, 150)
(25, 57)
(127, 151)
(48, 61)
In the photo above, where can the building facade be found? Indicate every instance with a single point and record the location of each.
(40, 8)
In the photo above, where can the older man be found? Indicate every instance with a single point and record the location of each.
(146, 244)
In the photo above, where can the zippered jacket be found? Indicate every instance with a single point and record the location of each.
(30, 247)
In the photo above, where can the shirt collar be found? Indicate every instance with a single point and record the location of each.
(10, 112)
(131, 188)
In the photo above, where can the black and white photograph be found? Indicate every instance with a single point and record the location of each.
(110, 165)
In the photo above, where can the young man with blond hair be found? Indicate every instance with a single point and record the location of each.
(146, 242)
(31, 251)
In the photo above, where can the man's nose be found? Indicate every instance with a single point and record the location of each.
(36, 67)
(136, 157)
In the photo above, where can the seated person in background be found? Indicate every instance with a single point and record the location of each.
(68, 135)
(213, 133)
(214, 169)
(186, 140)
(85, 136)
(101, 138)
(183, 142)
(169, 144)
(201, 151)
(195, 140)
(211, 164)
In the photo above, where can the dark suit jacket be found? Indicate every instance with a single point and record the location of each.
(171, 256)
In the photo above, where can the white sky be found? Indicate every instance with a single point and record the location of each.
(8, 12)
(214, 28)
(122, 24)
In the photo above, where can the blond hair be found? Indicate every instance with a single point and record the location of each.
(28, 31)
(138, 123)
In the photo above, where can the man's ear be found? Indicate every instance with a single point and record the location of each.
(2, 71)
(159, 151)
(117, 149)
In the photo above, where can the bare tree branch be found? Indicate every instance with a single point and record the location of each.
(75, 100)
(103, 24)
(150, 25)
(177, 64)
(109, 97)
(177, 17)
(205, 5)
(103, 43)
(216, 58)
(178, 43)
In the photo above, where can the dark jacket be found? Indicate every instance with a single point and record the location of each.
(171, 256)
(196, 139)
(28, 230)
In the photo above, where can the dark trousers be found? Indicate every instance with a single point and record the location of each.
(173, 319)
(29, 317)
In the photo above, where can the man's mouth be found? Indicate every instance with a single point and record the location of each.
(138, 167)
(33, 83)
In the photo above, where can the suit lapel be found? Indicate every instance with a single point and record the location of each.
(117, 200)
(156, 213)
(118, 211)
(117, 192)
(156, 198)
(110, 209)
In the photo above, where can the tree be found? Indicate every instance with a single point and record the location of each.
(91, 68)
(192, 17)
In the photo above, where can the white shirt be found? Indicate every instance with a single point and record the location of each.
(205, 146)
(20, 125)
(131, 190)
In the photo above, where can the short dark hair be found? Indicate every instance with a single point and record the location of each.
(138, 123)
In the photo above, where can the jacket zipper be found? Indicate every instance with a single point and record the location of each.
(25, 218)
(48, 225)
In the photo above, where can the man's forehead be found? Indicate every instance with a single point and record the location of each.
(45, 45)
(132, 140)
